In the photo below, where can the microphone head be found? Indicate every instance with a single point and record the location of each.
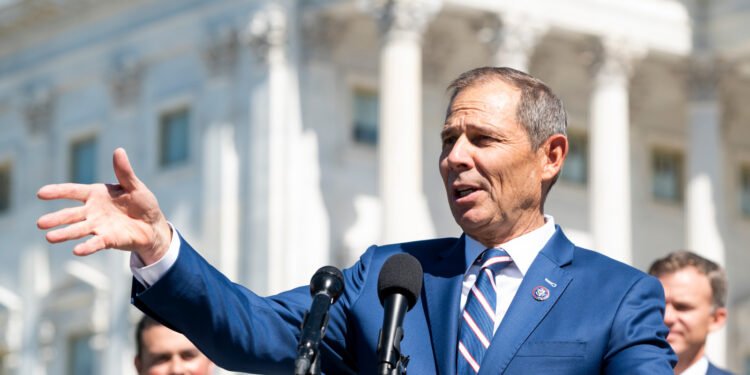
(401, 273)
(327, 280)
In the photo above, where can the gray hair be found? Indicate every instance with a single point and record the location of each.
(683, 259)
(539, 110)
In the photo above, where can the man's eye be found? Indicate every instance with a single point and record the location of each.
(448, 141)
(189, 354)
(483, 139)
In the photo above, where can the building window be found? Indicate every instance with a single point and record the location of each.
(575, 168)
(174, 137)
(83, 161)
(745, 190)
(667, 175)
(83, 358)
(5, 175)
(366, 116)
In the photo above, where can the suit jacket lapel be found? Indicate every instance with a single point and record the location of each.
(526, 312)
(442, 293)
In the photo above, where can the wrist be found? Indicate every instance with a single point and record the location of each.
(160, 245)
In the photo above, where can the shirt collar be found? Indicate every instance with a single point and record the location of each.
(522, 249)
(698, 368)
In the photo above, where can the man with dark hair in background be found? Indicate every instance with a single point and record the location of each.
(162, 351)
(696, 291)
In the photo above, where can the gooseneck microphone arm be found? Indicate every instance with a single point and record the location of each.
(326, 286)
(399, 286)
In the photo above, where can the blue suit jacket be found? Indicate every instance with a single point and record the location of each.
(713, 370)
(601, 316)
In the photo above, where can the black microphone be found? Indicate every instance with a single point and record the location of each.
(399, 285)
(326, 287)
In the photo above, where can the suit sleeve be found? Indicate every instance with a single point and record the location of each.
(638, 342)
(237, 329)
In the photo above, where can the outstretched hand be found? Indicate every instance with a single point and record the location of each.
(125, 216)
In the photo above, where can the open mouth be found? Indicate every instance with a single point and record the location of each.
(464, 191)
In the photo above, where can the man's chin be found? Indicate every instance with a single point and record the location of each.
(675, 343)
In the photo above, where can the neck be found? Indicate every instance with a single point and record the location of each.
(687, 359)
(492, 237)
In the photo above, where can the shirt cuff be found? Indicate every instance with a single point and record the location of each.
(148, 275)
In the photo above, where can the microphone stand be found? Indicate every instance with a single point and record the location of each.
(392, 361)
(306, 350)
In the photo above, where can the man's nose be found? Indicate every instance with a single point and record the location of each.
(669, 315)
(177, 366)
(459, 157)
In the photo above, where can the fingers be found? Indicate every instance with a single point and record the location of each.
(65, 216)
(71, 232)
(78, 192)
(123, 170)
(90, 246)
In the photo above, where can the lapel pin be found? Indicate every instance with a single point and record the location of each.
(552, 284)
(540, 293)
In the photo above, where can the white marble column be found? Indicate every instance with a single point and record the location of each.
(610, 150)
(704, 164)
(35, 282)
(405, 214)
(297, 223)
(704, 190)
(221, 202)
(511, 38)
(116, 349)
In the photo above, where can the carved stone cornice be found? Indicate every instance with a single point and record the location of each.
(125, 80)
(510, 37)
(39, 110)
(614, 60)
(220, 51)
(401, 18)
(267, 31)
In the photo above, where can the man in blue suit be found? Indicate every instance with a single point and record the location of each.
(696, 294)
(512, 295)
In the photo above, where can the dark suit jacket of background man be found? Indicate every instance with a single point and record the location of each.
(713, 370)
(601, 316)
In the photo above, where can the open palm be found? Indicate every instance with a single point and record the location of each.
(122, 216)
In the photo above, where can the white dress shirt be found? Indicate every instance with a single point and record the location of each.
(698, 368)
(522, 251)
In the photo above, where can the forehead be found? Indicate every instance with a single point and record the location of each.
(686, 282)
(160, 338)
(492, 97)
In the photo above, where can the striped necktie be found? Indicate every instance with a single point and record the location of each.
(478, 318)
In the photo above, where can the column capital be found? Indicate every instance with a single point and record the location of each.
(402, 18)
(39, 110)
(704, 72)
(511, 37)
(125, 79)
(322, 33)
(267, 31)
(614, 59)
(220, 50)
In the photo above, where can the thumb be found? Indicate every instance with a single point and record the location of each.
(124, 172)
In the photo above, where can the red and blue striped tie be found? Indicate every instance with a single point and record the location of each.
(478, 318)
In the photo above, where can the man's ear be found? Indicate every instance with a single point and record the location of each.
(554, 150)
(718, 318)
(138, 364)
